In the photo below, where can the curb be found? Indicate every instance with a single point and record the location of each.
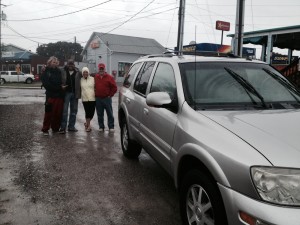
(19, 87)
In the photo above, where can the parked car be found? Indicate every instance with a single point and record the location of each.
(226, 130)
(14, 76)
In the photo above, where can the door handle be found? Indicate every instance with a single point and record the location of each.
(127, 100)
(146, 111)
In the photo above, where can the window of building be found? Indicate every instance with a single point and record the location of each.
(123, 68)
(39, 68)
(25, 68)
(11, 67)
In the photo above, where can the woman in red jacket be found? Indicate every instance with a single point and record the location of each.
(105, 88)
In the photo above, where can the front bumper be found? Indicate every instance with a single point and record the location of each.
(270, 214)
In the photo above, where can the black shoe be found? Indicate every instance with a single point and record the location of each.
(62, 131)
(72, 129)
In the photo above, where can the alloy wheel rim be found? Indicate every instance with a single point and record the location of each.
(125, 137)
(199, 209)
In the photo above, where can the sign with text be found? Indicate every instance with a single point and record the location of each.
(221, 25)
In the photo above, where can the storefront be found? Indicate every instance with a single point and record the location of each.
(15, 58)
(117, 52)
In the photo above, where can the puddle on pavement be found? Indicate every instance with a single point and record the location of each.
(17, 207)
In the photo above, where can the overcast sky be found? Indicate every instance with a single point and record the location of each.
(30, 22)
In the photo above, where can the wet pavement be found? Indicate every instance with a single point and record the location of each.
(76, 178)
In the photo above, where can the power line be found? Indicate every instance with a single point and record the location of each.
(21, 34)
(65, 14)
(130, 18)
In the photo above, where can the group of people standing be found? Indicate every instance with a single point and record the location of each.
(64, 87)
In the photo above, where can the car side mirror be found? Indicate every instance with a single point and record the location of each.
(161, 100)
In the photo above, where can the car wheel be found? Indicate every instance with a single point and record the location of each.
(28, 81)
(200, 200)
(2, 81)
(130, 148)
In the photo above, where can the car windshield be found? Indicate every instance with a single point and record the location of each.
(226, 85)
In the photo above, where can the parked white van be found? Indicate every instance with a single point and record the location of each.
(14, 76)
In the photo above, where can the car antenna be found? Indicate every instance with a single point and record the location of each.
(195, 67)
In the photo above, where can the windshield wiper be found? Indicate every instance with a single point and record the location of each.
(286, 84)
(247, 86)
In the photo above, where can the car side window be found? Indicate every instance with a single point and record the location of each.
(130, 75)
(14, 73)
(142, 80)
(164, 80)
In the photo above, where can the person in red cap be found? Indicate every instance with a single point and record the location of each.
(105, 89)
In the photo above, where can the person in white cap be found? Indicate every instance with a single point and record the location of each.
(87, 84)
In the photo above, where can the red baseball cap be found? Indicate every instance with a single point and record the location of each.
(101, 65)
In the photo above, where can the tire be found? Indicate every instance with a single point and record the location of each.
(208, 207)
(130, 148)
(29, 81)
(2, 81)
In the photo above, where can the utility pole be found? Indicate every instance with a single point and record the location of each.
(180, 26)
(239, 28)
(1, 17)
(0, 37)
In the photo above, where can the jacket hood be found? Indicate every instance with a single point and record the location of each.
(273, 133)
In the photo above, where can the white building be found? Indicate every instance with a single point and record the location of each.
(117, 52)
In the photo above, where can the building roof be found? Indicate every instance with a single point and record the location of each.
(128, 44)
(283, 37)
(13, 53)
(14, 48)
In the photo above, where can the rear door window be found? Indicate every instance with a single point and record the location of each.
(142, 80)
(130, 75)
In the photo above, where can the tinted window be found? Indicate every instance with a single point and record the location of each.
(14, 73)
(130, 75)
(141, 82)
(164, 80)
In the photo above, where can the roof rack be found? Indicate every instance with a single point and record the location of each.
(165, 54)
(197, 53)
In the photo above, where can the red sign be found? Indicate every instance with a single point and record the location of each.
(221, 25)
(95, 44)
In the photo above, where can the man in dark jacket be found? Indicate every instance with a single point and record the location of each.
(72, 94)
(52, 82)
(105, 88)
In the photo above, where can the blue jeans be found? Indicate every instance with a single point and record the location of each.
(101, 104)
(71, 100)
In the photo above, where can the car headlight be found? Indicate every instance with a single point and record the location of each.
(277, 185)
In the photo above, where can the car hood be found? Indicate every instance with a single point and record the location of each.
(273, 133)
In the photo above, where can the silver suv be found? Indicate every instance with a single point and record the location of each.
(226, 129)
